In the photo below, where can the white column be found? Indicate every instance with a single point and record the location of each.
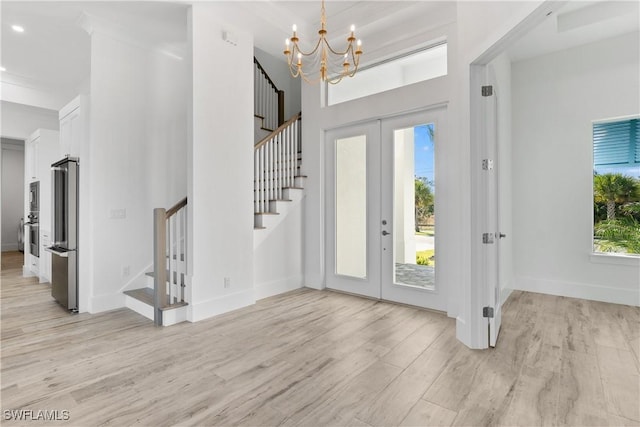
(221, 157)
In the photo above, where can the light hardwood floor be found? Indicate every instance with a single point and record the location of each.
(317, 358)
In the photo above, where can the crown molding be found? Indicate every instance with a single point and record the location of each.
(93, 24)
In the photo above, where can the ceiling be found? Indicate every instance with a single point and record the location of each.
(576, 23)
(53, 53)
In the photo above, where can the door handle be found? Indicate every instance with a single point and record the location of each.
(502, 235)
(385, 232)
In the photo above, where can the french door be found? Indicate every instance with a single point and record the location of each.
(381, 209)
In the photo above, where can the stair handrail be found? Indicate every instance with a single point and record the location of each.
(175, 208)
(279, 93)
(273, 85)
(162, 224)
(280, 128)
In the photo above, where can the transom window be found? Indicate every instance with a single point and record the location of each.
(425, 64)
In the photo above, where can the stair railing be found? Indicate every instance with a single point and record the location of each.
(275, 162)
(268, 101)
(169, 257)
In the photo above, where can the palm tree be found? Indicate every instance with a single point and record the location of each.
(423, 198)
(612, 188)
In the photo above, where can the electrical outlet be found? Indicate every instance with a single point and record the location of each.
(227, 282)
(126, 271)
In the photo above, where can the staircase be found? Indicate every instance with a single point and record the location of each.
(162, 298)
(278, 186)
(278, 182)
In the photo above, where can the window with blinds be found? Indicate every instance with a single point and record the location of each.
(616, 144)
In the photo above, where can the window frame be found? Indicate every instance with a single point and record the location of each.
(612, 258)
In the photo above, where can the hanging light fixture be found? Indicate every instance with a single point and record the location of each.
(323, 62)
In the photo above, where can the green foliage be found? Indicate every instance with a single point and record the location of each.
(614, 189)
(424, 200)
(426, 257)
(616, 215)
(618, 235)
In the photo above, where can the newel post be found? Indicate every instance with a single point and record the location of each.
(159, 264)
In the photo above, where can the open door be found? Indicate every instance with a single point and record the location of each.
(493, 236)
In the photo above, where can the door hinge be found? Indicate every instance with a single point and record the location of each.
(487, 90)
(487, 312)
(487, 238)
(487, 164)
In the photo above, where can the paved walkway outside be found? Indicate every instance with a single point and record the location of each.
(415, 275)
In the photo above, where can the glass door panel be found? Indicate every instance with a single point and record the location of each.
(351, 206)
(410, 148)
(414, 206)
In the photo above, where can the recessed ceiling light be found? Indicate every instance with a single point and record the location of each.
(17, 28)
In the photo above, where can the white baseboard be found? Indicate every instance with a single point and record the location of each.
(504, 295)
(108, 302)
(579, 290)
(9, 247)
(276, 287)
(223, 304)
(177, 315)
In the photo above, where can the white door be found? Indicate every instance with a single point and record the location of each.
(353, 209)
(410, 157)
(492, 247)
(381, 233)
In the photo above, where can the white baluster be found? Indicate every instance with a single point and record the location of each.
(279, 167)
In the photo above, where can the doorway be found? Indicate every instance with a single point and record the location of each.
(381, 209)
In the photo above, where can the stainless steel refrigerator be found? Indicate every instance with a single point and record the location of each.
(64, 259)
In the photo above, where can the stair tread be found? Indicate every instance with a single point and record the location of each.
(293, 188)
(145, 295)
(259, 228)
(281, 200)
(266, 213)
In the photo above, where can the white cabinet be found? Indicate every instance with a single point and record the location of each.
(72, 127)
(41, 150)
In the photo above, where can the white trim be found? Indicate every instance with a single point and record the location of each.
(26, 271)
(139, 307)
(579, 290)
(216, 306)
(173, 316)
(505, 293)
(107, 302)
(617, 259)
(276, 287)
(614, 119)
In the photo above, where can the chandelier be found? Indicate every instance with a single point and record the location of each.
(323, 62)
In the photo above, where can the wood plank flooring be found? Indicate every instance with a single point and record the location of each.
(313, 358)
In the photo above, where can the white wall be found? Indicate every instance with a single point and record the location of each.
(220, 165)
(12, 193)
(138, 157)
(555, 99)
(278, 71)
(278, 259)
(20, 121)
